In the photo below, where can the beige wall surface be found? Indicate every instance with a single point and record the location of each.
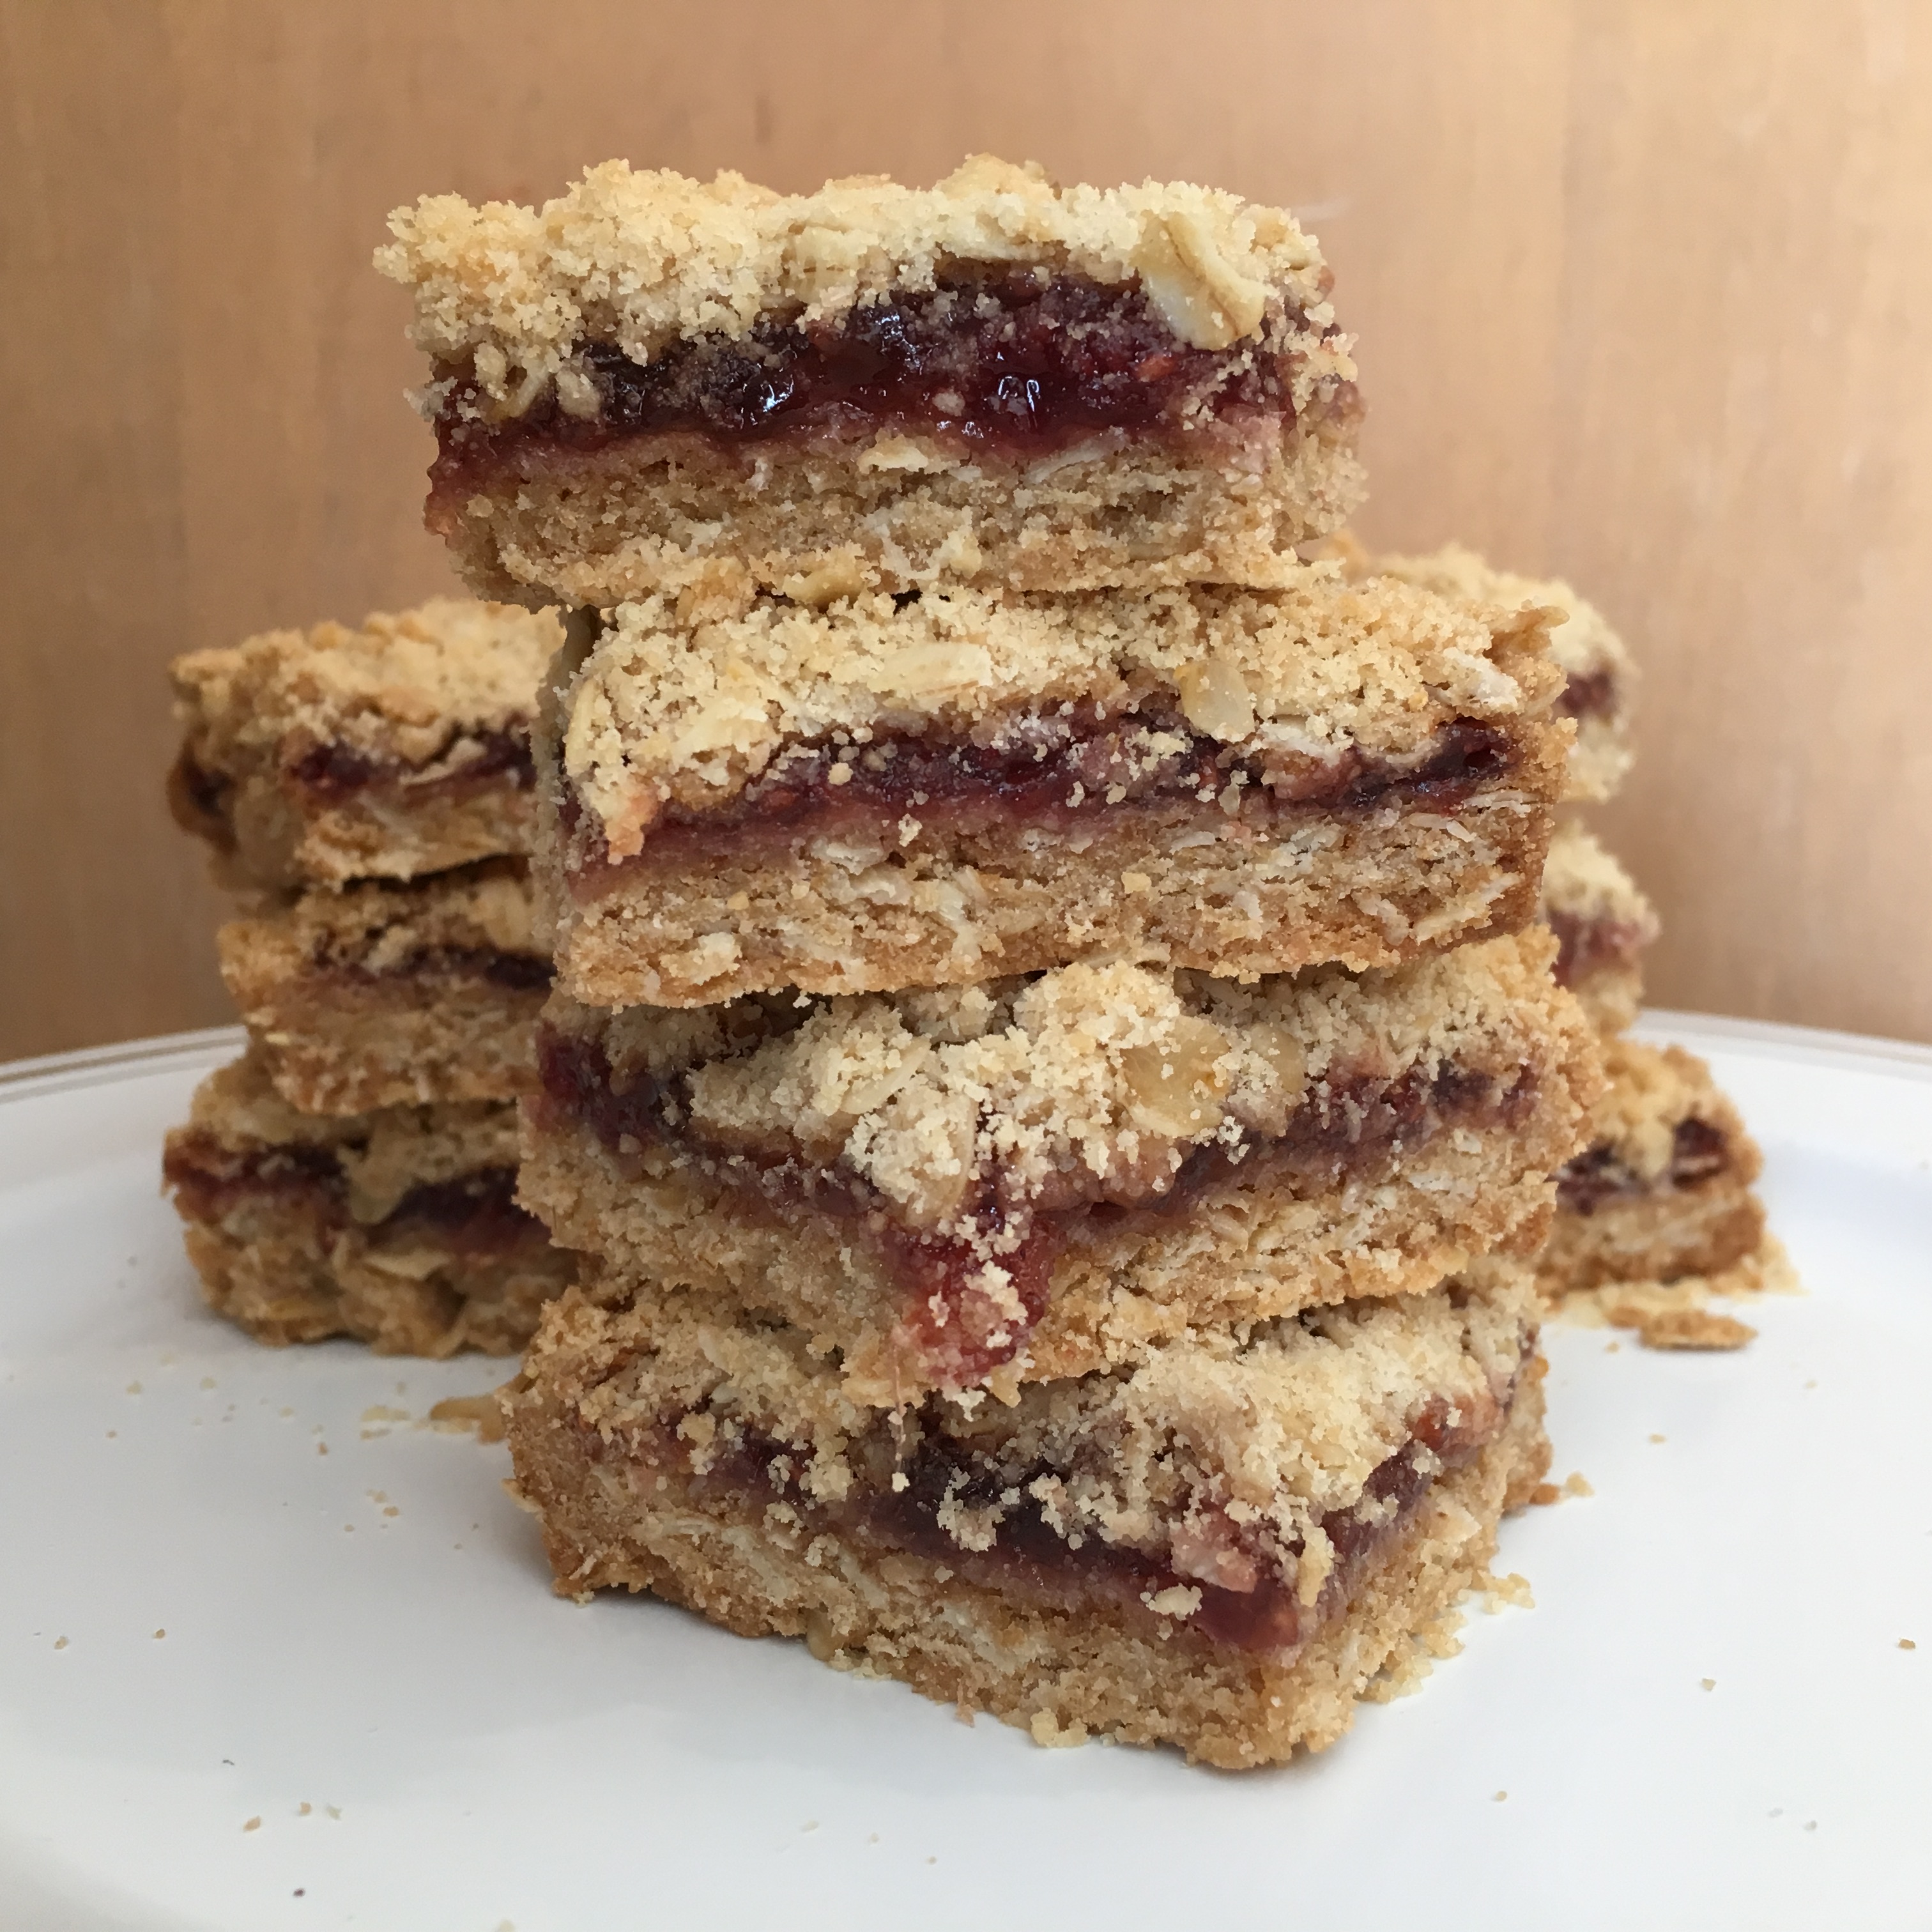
(1643, 291)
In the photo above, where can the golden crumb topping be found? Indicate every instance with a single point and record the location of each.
(1584, 881)
(1210, 1453)
(411, 688)
(1583, 645)
(689, 698)
(641, 258)
(1650, 1091)
(1087, 1079)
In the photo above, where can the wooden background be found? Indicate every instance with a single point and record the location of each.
(1644, 293)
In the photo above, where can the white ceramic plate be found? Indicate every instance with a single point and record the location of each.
(361, 1652)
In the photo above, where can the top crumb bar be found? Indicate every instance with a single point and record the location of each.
(396, 748)
(872, 386)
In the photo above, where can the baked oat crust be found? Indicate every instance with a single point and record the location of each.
(1603, 923)
(1653, 1219)
(302, 1226)
(1121, 1075)
(1281, 1430)
(381, 994)
(683, 704)
(397, 748)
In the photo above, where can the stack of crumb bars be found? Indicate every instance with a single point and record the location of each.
(1060, 1051)
(1661, 1199)
(369, 794)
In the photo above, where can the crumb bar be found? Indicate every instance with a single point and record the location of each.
(1600, 675)
(383, 994)
(1219, 1549)
(398, 747)
(1032, 1178)
(399, 1227)
(1664, 1189)
(994, 379)
(1602, 922)
(752, 794)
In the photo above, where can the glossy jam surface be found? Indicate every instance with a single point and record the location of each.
(1015, 362)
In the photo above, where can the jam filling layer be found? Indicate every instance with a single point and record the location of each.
(1699, 1150)
(474, 1215)
(1057, 773)
(1240, 1601)
(1013, 363)
(331, 775)
(1587, 947)
(953, 1319)
(510, 972)
(1588, 694)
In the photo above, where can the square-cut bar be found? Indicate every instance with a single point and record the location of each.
(1600, 676)
(382, 994)
(994, 379)
(1663, 1188)
(398, 747)
(1218, 1549)
(753, 793)
(1033, 1178)
(399, 1227)
(1602, 923)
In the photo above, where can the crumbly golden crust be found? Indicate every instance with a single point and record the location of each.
(642, 258)
(1582, 645)
(303, 1226)
(1604, 923)
(653, 512)
(685, 701)
(1085, 1082)
(389, 995)
(1167, 1461)
(1655, 1221)
(394, 748)
(682, 704)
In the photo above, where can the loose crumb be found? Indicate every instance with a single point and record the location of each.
(1657, 1438)
(1708, 1683)
(253, 1825)
(1611, 1347)
(321, 1448)
(1574, 1485)
(1904, 1643)
(1500, 1796)
(160, 1633)
(208, 1381)
(303, 1810)
(60, 1643)
(482, 1413)
(334, 1810)
(133, 1388)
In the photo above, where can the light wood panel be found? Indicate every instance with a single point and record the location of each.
(1642, 291)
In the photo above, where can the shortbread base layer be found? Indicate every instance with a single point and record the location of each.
(1364, 888)
(1063, 1675)
(601, 526)
(389, 995)
(1661, 1237)
(343, 1046)
(284, 1281)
